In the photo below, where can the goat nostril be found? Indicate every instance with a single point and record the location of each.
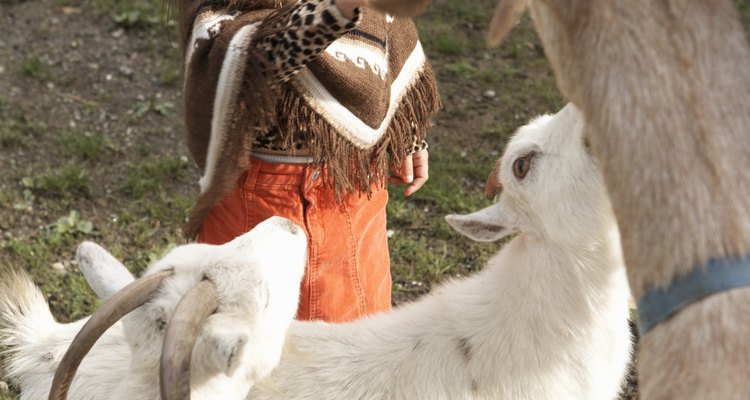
(492, 188)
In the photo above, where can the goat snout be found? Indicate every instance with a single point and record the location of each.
(493, 187)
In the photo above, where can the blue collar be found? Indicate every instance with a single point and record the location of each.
(717, 275)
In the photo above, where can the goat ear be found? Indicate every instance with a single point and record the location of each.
(507, 13)
(485, 225)
(104, 273)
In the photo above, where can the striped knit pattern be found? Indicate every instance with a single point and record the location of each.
(356, 94)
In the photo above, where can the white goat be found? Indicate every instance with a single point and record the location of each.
(546, 319)
(256, 277)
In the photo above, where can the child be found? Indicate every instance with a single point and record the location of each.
(300, 109)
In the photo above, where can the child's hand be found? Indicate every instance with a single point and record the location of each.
(413, 171)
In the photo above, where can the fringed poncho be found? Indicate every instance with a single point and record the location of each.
(356, 94)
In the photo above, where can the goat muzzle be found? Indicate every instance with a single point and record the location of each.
(493, 186)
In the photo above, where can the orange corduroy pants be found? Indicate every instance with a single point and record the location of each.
(348, 265)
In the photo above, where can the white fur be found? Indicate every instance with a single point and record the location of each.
(257, 276)
(547, 318)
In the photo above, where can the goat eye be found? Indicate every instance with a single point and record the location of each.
(521, 167)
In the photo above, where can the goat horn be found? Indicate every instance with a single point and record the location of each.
(121, 303)
(197, 305)
(507, 13)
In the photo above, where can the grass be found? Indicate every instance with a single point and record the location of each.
(16, 128)
(135, 14)
(66, 183)
(34, 67)
(39, 69)
(148, 176)
(84, 146)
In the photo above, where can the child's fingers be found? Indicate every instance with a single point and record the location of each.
(407, 169)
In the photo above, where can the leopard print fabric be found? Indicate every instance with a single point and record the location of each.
(312, 27)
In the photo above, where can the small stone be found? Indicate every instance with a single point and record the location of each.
(490, 94)
(125, 71)
(108, 77)
(118, 33)
(390, 233)
(71, 10)
(2, 70)
(59, 267)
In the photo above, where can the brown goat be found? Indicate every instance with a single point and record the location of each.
(665, 90)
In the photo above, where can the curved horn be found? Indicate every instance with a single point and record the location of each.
(507, 13)
(120, 304)
(197, 305)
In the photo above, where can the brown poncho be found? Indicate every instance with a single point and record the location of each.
(358, 92)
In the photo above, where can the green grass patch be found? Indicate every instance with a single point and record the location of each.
(84, 146)
(10, 137)
(68, 182)
(150, 176)
(169, 74)
(135, 14)
(490, 75)
(34, 67)
(461, 68)
(449, 43)
(16, 128)
(37, 68)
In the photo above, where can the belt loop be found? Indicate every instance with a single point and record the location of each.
(253, 169)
